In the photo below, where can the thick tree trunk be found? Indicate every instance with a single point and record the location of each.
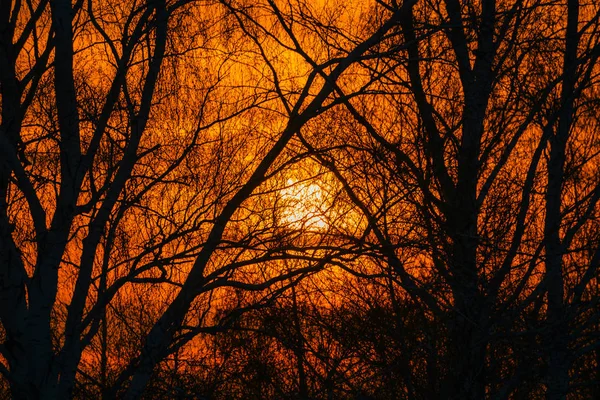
(468, 341)
(557, 328)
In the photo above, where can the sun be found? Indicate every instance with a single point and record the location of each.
(304, 206)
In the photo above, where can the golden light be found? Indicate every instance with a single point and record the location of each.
(305, 206)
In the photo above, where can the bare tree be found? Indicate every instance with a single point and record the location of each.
(125, 176)
(225, 189)
(455, 167)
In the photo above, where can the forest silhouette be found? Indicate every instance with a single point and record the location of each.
(299, 199)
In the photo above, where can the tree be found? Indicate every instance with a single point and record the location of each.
(229, 198)
(468, 136)
(110, 112)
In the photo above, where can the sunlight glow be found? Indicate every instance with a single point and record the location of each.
(305, 206)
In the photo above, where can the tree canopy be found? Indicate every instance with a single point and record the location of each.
(299, 199)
